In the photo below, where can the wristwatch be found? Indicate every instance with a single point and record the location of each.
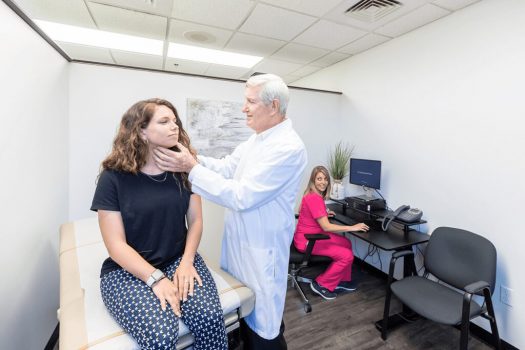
(155, 276)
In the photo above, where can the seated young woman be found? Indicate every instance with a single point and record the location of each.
(154, 275)
(313, 218)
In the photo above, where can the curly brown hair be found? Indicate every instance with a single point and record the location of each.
(129, 149)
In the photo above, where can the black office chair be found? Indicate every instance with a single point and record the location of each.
(299, 261)
(463, 260)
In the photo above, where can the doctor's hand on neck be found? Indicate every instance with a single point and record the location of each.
(177, 162)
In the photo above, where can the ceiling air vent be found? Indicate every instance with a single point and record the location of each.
(372, 10)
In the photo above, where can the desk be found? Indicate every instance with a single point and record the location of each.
(395, 239)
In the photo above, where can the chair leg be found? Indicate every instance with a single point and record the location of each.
(306, 302)
(463, 341)
(304, 279)
(465, 321)
(492, 320)
(386, 313)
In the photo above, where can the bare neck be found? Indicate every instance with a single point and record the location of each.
(151, 167)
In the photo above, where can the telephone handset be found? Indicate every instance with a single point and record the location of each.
(403, 213)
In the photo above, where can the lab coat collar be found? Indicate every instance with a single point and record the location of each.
(286, 124)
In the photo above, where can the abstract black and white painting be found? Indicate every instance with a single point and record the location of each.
(216, 127)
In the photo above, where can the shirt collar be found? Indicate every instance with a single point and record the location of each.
(284, 125)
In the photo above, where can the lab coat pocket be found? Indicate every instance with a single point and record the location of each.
(259, 263)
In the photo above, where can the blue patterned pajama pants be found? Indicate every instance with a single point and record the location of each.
(137, 310)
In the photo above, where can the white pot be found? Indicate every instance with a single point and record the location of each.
(338, 190)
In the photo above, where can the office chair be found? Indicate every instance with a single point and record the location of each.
(299, 261)
(463, 260)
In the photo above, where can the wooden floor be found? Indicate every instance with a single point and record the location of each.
(348, 322)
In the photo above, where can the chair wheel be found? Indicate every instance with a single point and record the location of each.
(307, 308)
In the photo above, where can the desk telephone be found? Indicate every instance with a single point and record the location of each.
(403, 213)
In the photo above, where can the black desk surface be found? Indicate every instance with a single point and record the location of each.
(393, 239)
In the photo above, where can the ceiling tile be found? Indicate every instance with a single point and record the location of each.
(157, 7)
(311, 7)
(329, 35)
(225, 13)
(87, 53)
(253, 45)
(137, 60)
(364, 43)
(218, 70)
(72, 12)
(285, 25)
(306, 70)
(288, 79)
(117, 20)
(299, 53)
(198, 34)
(330, 59)
(186, 66)
(413, 20)
(277, 67)
(339, 14)
(454, 5)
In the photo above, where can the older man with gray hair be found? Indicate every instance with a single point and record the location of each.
(257, 184)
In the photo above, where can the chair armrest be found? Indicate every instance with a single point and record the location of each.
(393, 260)
(312, 238)
(476, 287)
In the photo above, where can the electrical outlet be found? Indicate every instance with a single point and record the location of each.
(505, 295)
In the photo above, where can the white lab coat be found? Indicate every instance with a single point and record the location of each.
(258, 184)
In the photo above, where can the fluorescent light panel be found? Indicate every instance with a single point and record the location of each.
(201, 54)
(100, 38)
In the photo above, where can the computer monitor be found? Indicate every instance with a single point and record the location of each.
(366, 173)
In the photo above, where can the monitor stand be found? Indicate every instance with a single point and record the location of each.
(368, 196)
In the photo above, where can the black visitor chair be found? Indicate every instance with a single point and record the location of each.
(466, 264)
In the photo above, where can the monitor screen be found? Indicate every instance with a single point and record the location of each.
(365, 172)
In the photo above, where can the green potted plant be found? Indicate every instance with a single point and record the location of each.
(338, 159)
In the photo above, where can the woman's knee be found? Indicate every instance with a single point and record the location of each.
(344, 242)
(347, 255)
(158, 334)
(341, 241)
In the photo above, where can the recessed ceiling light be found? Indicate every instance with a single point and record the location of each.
(199, 36)
(100, 38)
(202, 54)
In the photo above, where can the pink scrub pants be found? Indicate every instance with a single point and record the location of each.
(339, 249)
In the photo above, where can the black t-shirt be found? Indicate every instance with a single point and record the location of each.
(153, 210)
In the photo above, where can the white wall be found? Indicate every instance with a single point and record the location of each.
(443, 108)
(100, 95)
(33, 186)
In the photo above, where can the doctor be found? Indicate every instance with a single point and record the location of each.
(257, 184)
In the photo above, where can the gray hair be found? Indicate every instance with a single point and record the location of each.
(273, 87)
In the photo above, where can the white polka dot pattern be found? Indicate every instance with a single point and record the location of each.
(137, 310)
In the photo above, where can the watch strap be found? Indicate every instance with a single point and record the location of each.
(155, 277)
